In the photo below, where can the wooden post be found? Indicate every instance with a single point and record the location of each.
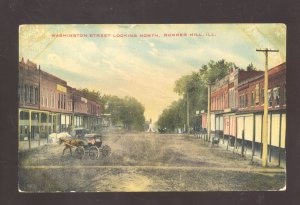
(235, 140)
(29, 130)
(208, 113)
(279, 153)
(187, 112)
(19, 128)
(39, 125)
(253, 137)
(243, 137)
(270, 153)
(47, 133)
(261, 134)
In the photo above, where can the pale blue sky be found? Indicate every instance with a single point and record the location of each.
(146, 68)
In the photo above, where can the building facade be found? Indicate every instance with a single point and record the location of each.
(237, 103)
(48, 105)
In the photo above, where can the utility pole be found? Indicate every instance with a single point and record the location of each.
(208, 113)
(187, 112)
(265, 117)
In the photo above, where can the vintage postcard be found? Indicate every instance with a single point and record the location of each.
(152, 107)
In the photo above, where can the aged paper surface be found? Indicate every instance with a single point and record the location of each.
(125, 108)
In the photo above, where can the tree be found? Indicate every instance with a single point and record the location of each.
(126, 111)
(216, 70)
(91, 94)
(250, 67)
(195, 85)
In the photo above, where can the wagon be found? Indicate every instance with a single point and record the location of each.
(92, 146)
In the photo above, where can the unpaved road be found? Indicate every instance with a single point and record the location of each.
(145, 162)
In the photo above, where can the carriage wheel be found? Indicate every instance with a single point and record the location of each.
(94, 152)
(106, 150)
(79, 152)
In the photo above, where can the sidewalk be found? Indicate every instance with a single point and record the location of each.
(256, 158)
(24, 145)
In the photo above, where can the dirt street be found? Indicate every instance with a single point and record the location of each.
(145, 162)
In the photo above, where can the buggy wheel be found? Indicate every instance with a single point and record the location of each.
(106, 150)
(94, 152)
(79, 152)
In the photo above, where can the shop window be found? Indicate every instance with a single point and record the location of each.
(24, 115)
(43, 117)
(34, 116)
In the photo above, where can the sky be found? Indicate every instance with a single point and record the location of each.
(146, 63)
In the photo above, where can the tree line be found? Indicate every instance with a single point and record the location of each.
(126, 112)
(194, 87)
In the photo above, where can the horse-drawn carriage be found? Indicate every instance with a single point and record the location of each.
(89, 144)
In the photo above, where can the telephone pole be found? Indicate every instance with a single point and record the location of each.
(265, 116)
(208, 112)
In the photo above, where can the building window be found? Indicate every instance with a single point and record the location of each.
(257, 94)
(36, 95)
(31, 94)
(252, 98)
(276, 96)
(58, 105)
(46, 98)
(64, 101)
(240, 101)
(262, 96)
(246, 100)
(26, 93)
(270, 98)
(284, 94)
(19, 93)
(54, 94)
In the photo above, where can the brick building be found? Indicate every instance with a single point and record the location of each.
(224, 101)
(250, 112)
(47, 104)
(237, 108)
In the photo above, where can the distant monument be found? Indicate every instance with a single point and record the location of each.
(150, 129)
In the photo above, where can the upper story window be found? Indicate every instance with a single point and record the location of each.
(257, 94)
(58, 100)
(252, 98)
(64, 101)
(31, 94)
(270, 98)
(36, 95)
(26, 93)
(262, 91)
(284, 94)
(19, 93)
(276, 96)
(240, 101)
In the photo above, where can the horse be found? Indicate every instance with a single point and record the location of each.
(69, 143)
